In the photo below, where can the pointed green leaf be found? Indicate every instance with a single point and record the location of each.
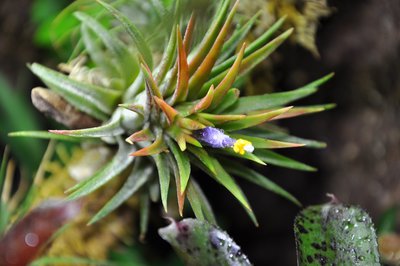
(133, 31)
(283, 161)
(195, 201)
(262, 181)
(181, 90)
(230, 98)
(119, 163)
(253, 120)
(152, 85)
(137, 178)
(167, 58)
(3, 168)
(254, 46)
(164, 177)
(197, 198)
(246, 155)
(111, 128)
(202, 155)
(271, 100)
(42, 135)
(183, 163)
(305, 110)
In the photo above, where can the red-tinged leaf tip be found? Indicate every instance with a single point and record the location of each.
(60, 132)
(189, 32)
(150, 80)
(168, 110)
(156, 147)
(142, 135)
(205, 102)
(181, 90)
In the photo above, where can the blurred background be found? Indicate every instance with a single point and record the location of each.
(359, 40)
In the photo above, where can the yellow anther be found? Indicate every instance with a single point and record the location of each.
(242, 145)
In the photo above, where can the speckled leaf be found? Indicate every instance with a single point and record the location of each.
(335, 234)
(200, 243)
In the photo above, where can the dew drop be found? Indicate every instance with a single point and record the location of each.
(31, 239)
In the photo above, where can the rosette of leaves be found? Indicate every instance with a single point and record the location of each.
(152, 108)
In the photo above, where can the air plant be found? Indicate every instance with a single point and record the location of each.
(170, 115)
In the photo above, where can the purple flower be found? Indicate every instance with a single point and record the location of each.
(213, 137)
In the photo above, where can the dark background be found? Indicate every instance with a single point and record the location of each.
(360, 42)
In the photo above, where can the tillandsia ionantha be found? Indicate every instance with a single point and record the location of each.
(171, 113)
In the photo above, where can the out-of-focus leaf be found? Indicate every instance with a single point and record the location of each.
(334, 234)
(274, 158)
(200, 237)
(119, 163)
(91, 99)
(305, 110)
(42, 135)
(133, 31)
(144, 214)
(46, 261)
(260, 143)
(387, 221)
(262, 181)
(138, 177)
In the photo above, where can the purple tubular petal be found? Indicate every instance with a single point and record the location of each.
(213, 137)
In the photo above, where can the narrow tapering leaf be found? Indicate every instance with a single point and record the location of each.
(168, 110)
(274, 158)
(197, 195)
(141, 135)
(120, 162)
(220, 119)
(253, 120)
(156, 147)
(137, 178)
(204, 103)
(167, 59)
(305, 110)
(163, 176)
(230, 99)
(180, 196)
(144, 215)
(133, 31)
(152, 85)
(257, 178)
(183, 163)
(42, 135)
(181, 90)
(271, 100)
(260, 143)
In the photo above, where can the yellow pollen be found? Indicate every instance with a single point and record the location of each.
(241, 146)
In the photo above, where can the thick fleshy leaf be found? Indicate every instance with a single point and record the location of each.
(128, 65)
(137, 178)
(194, 239)
(133, 31)
(230, 98)
(42, 135)
(163, 176)
(274, 158)
(253, 46)
(335, 234)
(202, 72)
(262, 181)
(253, 120)
(271, 100)
(109, 129)
(300, 110)
(91, 99)
(200, 205)
(212, 33)
(119, 163)
(260, 143)
(181, 90)
(183, 163)
(225, 85)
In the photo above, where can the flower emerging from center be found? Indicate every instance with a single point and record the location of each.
(216, 138)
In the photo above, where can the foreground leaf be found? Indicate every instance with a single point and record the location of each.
(200, 243)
